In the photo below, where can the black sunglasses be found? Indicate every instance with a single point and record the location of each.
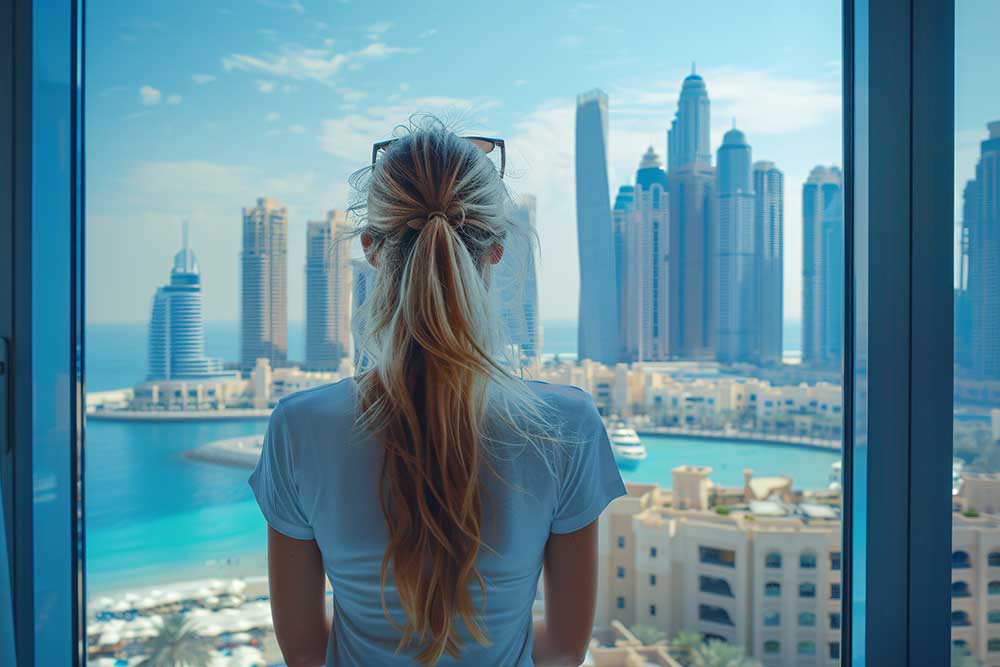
(485, 144)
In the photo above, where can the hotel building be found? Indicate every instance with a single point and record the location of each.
(264, 284)
(328, 293)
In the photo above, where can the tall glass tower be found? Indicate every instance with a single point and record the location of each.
(822, 267)
(264, 284)
(693, 291)
(738, 317)
(769, 237)
(177, 324)
(982, 298)
(623, 222)
(328, 293)
(597, 333)
(648, 261)
(517, 287)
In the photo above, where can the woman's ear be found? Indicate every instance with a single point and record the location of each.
(495, 253)
(366, 245)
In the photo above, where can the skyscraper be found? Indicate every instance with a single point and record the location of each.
(769, 235)
(362, 284)
(647, 252)
(328, 293)
(177, 324)
(517, 288)
(822, 267)
(623, 222)
(264, 284)
(738, 320)
(597, 333)
(982, 213)
(692, 292)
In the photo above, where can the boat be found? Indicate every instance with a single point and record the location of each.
(835, 476)
(627, 447)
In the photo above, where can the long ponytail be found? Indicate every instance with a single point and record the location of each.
(430, 383)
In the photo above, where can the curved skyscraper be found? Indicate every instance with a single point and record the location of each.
(692, 289)
(738, 315)
(177, 324)
(597, 333)
(769, 235)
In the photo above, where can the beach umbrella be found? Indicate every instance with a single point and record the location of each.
(210, 630)
(211, 600)
(237, 586)
(242, 638)
(102, 603)
(109, 638)
(121, 606)
(171, 596)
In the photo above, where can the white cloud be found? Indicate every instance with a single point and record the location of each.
(404, 87)
(297, 129)
(377, 29)
(202, 79)
(266, 87)
(174, 99)
(272, 116)
(150, 96)
(518, 82)
(427, 33)
(350, 95)
(320, 65)
(290, 5)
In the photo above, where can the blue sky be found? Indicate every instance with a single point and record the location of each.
(194, 109)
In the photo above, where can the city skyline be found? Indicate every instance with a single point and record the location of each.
(179, 151)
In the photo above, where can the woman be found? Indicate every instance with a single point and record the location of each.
(432, 488)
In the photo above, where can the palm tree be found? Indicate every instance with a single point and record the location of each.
(178, 645)
(721, 654)
(647, 634)
(684, 647)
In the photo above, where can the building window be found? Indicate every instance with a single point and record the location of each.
(960, 560)
(834, 591)
(713, 614)
(807, 619)
(993, 616)
(652, 580)
(620, 602)
(807, 561)
(993, 588)
(772, 619)
(772, 589)
(993, 645)
(652, 552)
(835, 561)
(835, 620)
(834, 650)
(715, 586)
(713, 556)
(621, 572)
(960, 619)
(621, 542)
(993, 559)
(807, 648)
(652, 610)
(807, 590)
(772, 560)
(960, 589)
(772, 647)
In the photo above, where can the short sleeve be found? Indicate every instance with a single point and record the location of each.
(590, 480)
(273, 482)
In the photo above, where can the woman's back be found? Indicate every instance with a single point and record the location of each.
(318, 478)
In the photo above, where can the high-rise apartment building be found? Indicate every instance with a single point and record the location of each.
(328, 293)
(597, 332)
(769, 238)
(822, 267)
(738, 319)
(692, 293)
(177, 324)
(643, 291)
(264, 284)
(516, 285)
(623, 225)
(981, 236)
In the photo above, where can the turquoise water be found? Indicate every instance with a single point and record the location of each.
(153, 515)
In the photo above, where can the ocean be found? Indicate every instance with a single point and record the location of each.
(154, 516)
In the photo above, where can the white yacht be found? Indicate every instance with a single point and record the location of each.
(835, 477)
(628, 449)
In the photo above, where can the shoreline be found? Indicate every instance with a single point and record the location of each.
(179, 416)
(743, 437)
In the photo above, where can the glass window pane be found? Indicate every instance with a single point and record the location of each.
(975, 561)
(690, 278)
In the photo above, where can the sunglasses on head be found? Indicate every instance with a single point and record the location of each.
(485, 144)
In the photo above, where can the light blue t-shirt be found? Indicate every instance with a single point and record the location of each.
(318, 478)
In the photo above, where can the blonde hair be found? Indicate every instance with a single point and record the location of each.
(432, 386)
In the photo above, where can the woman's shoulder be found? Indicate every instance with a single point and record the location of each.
(325, 406)
(570, 401)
